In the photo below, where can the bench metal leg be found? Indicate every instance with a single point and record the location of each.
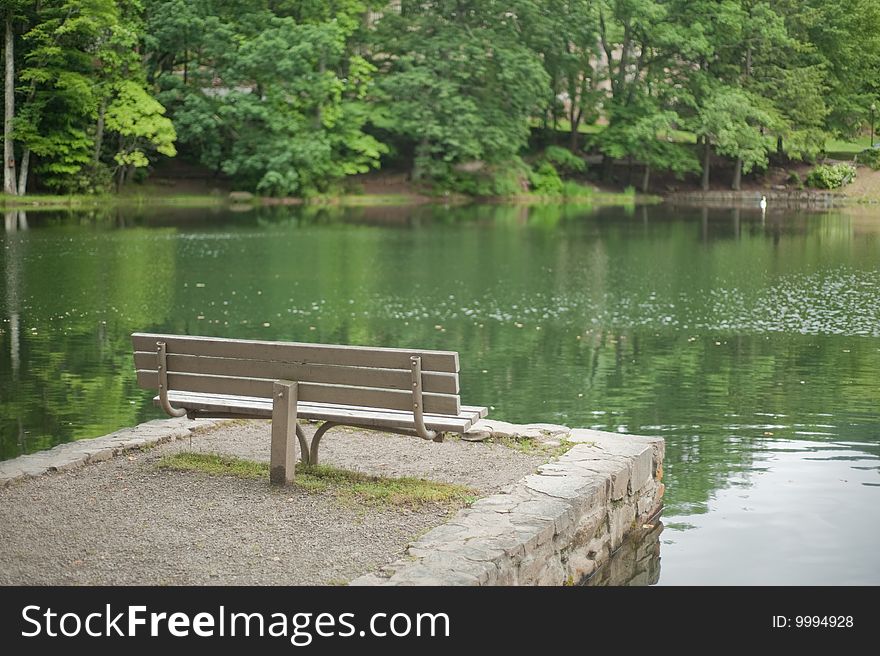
(418, 415)
(162, 370)
(282, 458)
(316, 440)
(327, 425)
(303, 445)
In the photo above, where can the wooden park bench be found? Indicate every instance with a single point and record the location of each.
(397, 390)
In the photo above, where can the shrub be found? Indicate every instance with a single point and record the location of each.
(507, 179)
(90, 179)
(564, 161)
(572, 189)
(510, 179)
(870, 157)
(545, 180)
(831, 176)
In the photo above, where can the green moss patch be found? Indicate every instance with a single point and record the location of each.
(533, 446)
(348, 485)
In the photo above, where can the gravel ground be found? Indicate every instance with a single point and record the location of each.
(125, 522)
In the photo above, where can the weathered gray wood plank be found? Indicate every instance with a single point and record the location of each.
(298, 352)
(400, 379)
(262, 408)
(312, 392)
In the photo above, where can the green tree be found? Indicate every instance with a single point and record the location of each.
(646, 45)
(732, 120)
(841, 39)
(565, 34)
(275, 97)
(76, 58)
(458, 81)
(139, 121)
(643, 134)
(750, 84)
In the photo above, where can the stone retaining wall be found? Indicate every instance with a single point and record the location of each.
(750, 199)
(636, 563)
(554, 527)
(81, 452)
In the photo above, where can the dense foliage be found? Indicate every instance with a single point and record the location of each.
(833, 176)
(289, 97)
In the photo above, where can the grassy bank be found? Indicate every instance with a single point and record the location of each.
(47, 202)
(38, 202)
(594, 199)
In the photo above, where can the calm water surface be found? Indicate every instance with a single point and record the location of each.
(752, 346)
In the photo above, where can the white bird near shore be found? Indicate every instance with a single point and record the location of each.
(763, 203)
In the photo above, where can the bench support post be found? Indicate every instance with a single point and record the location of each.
(418, 413)
(283, 450)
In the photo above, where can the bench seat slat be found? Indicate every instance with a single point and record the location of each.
(298, 352)
(226, 400)
(442, 383)
(262, 408)
(310, 392)
(478, 410)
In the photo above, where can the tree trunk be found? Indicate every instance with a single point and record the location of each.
(737, 174)
(9, 113)
(707, 155)
(779, 150)
(573, 138)
(99, 130)
(646, 178)
(607, 164)
(120, 178)
(420, 154)
(23, 171)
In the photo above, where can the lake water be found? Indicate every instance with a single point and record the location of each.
(752, 345)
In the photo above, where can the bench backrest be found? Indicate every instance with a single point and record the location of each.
(325, 373)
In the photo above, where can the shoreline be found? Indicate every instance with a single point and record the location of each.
(598, 198)
(46, 203)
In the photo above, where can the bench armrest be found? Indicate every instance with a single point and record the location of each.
(418, 414)
(162, 369)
